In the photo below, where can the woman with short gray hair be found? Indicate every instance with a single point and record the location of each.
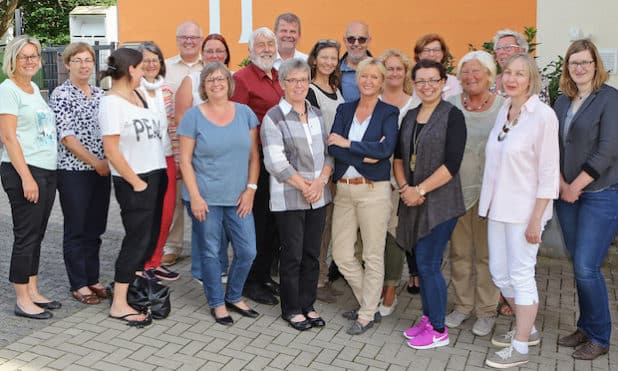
(293, 137)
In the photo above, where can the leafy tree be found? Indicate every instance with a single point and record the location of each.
(48, 20)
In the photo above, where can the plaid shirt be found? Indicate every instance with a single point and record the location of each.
(288, 150)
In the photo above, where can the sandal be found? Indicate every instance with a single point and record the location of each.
(101, 292)
(139, 324)
(504, 308)
(85, 299)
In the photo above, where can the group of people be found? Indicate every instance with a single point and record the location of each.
(372, 160)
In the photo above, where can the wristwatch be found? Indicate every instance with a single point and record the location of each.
(252, 186)
(420, 190)
(324, 179)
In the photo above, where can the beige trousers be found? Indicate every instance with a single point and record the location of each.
(368, 207)
(470, 277)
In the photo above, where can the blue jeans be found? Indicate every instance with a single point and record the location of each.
(206, 238)
(429, 251)
(588, 227)
(196, 265)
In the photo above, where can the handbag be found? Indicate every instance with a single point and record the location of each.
(144, 294)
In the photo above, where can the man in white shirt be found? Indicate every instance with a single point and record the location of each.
(189, 42)
(287, 30)
(189, 59)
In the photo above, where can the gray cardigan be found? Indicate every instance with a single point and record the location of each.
(591, 143)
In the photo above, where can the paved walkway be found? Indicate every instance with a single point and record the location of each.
(84, 338)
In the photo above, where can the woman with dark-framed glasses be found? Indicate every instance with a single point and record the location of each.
(588, 204)
(429, 152)
(520, 180)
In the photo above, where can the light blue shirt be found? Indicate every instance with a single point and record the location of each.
(349, 87)
(36, 127)
(221, 154)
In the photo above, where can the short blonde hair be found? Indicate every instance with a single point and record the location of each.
(533, 70)
(368, 62)
(208, 70)
(407, 66)
(567, 85)
(9, 63)
(76, 48)
(484, 58)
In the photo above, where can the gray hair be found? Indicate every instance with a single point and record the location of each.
(187, 23)
(521, 40)
(484, 58)
(293, 64)
(9, 62)
(208, 70)
(262, 31)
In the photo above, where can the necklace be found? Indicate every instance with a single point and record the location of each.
(508, 125)
(467, 107)
(416, 136)
(583, 95)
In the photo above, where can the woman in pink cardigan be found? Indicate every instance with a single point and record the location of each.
(520, 180)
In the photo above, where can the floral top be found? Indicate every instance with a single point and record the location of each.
(77, 115)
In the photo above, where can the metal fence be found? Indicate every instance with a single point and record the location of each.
(54, 71)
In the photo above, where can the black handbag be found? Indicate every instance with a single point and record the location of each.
(144, 294)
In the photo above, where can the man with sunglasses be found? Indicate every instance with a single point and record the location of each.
(356, 41)
(287, 30)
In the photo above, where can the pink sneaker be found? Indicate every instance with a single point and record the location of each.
(430, 338)
(416, 329)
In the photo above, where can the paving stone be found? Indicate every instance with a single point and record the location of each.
(281, 361)
(91, 358)
(64, 362)
(258, 363)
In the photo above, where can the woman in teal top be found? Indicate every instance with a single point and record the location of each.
(28, 170)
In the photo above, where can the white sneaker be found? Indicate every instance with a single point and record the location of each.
(504, 340)
(455, 318)
(506, 358)
(387, 311)
(483, 326)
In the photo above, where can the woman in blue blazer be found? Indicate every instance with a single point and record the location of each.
(588, 205)
(362, 140)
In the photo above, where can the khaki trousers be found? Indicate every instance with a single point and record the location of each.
(368, 207)
(469, 254)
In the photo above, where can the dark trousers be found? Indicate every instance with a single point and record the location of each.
(267, 241)
(301, 234)
(141, 218)
(84, 198)
(411, 259)
(29, 219)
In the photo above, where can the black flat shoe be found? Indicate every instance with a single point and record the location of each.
(259, 294)
(50, 305)
(300, 325)
(45, 314)
(273, 287)
(316, 322)
(226, 321)
(243, 312)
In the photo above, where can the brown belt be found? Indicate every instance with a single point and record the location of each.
(359, 180)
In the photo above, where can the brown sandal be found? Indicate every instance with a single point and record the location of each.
(85, 299)
(99, 291)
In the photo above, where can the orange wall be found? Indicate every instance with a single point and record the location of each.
(392, 23)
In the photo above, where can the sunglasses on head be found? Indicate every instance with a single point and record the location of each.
(360, 39)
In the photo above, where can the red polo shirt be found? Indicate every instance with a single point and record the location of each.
(255, 89)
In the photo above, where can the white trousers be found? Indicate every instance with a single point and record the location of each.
(512, 260)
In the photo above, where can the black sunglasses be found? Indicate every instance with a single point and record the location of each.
(361, 39)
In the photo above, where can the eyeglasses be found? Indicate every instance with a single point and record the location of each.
(297, 81)
(506, 48)
(81, 61)
(188, 38)
(432, 50)
(29, 58)
(212, 80)
(352, 39)
(575, 64)
(432, 83)
(150, 61)
(214, 51)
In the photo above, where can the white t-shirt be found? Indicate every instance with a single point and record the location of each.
(157, 104)
(140, 133)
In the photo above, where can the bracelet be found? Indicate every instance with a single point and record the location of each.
(324, 179)
(403, 186)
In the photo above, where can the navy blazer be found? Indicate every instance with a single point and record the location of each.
(591, 143)
(383, 124)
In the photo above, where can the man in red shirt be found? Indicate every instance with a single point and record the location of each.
(257, 86)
